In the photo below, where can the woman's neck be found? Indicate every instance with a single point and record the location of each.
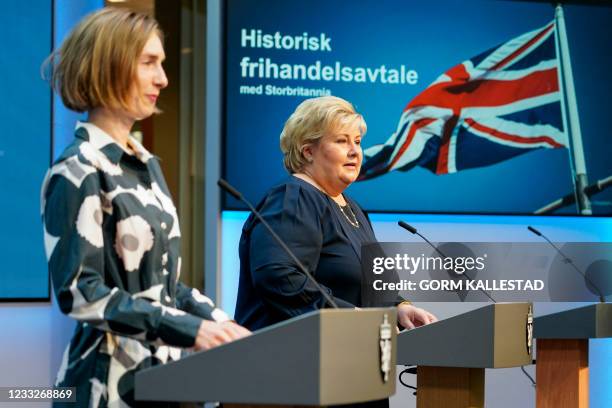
(337, 197)
(115, 125)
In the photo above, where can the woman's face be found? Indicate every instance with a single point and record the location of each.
(336, 157)
(150, 79)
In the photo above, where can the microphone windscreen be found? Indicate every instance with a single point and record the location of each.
(407, 226)
(228, 187)
(535, 231)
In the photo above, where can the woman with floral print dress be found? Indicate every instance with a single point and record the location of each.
(111, 231)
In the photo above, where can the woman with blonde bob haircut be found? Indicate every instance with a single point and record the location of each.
(111, 231)
(321, 146)
(308, 124)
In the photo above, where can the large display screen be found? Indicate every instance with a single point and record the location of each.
(25, 147)
(465, 109)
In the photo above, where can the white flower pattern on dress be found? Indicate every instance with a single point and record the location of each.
(146, 197)
(89, 221)
(133, 239)
(100, 161)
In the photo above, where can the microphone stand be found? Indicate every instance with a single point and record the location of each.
(413, 230)
(567, 260)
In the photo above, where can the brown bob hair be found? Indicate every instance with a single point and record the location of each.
(96, 64)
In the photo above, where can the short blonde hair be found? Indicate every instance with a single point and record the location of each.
(96, 64)
(311, 120)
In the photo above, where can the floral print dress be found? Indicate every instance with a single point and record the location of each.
(112, 241)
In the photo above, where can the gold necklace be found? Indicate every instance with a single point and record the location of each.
(354, 222)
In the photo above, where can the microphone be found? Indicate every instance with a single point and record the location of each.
(567, 260)
(535, 231)
(231, 190)
(409, 227)
(236, 194)
(413, 230)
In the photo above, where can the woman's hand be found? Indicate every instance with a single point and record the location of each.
(410, 316)
(212, 334)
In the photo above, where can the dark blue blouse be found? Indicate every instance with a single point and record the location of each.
(271, 288)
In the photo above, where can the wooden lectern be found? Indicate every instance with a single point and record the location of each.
(452, 354)
(562, 369)
(327, 357)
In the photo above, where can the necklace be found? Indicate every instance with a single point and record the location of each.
(351, 220)
(354, 221)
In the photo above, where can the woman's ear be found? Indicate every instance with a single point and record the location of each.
(307, 152)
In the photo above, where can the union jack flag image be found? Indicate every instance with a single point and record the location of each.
(490, 108)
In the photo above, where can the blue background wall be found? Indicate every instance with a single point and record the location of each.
(26, 147)
(25, 144)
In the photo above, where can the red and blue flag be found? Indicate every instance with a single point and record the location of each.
(490, 108)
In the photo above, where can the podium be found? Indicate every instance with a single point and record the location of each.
(451, 355)
(562, 369)
(330, 356)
